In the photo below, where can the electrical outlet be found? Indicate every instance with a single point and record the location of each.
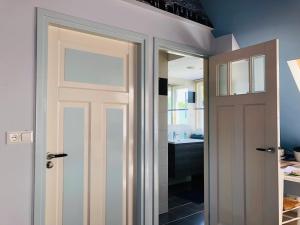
(13, 137)
(19, 137)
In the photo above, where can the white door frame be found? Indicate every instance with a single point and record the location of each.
(46, 17)
(161, 44)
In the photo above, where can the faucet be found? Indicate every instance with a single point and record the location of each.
(175, 135)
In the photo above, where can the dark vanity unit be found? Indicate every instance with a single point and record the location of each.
(186, 159)
(186, 171)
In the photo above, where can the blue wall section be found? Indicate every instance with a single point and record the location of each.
(255, 21)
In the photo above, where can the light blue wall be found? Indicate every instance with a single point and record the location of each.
(256, 21)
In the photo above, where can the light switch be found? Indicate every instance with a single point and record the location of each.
(27, 136)
(19, 137)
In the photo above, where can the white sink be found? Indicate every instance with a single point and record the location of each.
(185, 141)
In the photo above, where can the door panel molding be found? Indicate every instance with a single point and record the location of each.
(46, 18)
(226, 141)
(256, 133)
(108, 110)
(67, 44)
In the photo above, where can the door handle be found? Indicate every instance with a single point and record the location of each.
(266, 149)
(53, 156)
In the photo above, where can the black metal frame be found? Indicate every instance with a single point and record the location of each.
(186, 9)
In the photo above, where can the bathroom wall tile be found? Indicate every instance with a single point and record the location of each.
(163, 121)
(163, 203)
(163, 138)
(163, 149)
(163, 164)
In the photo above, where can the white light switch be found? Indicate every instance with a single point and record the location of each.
(27, 136)
(19, 137)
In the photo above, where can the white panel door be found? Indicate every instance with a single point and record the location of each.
(244, 136)
(90, 129)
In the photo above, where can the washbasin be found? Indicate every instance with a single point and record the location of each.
(185, 141)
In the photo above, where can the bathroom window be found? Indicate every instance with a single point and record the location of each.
(170, 104)
(177, 105)
(199, 109)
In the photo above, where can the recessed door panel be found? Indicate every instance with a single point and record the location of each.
(93, 68)
(74, 144)
(116, 164)
(92, 62)
(225, 160)
(255, 135)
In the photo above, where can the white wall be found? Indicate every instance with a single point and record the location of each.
(17, 79)
(163, 138)
(225, 43)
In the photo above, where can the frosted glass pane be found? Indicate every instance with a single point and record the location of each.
(73, 166)
(223, 78)
(92, 68)
(114, 173)
(240, 77)
(258, 73)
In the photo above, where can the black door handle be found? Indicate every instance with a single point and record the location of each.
(53, 156)
(266, 149)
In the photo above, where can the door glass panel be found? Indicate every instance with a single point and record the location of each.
(93, 68)
(240, 77)
(114, 173)
(73, 144)
(223, 78)
(258, 73)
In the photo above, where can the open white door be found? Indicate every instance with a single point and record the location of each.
(244, 136)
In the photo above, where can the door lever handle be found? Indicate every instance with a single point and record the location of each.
(266, 149)
(53, 156)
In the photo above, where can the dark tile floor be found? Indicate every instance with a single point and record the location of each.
(182, 212)
(195, 219)
(189, 191)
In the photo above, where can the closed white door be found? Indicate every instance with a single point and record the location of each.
(90, 129)
(244, 136)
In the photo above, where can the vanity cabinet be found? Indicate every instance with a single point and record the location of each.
(185, 159)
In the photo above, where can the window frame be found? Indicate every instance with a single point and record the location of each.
(197, 109)
(174, 109)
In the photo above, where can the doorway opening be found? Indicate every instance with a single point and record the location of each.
(181, 138)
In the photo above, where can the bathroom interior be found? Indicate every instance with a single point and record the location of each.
(181, 138)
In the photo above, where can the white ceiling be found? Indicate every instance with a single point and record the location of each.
(187, 67)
